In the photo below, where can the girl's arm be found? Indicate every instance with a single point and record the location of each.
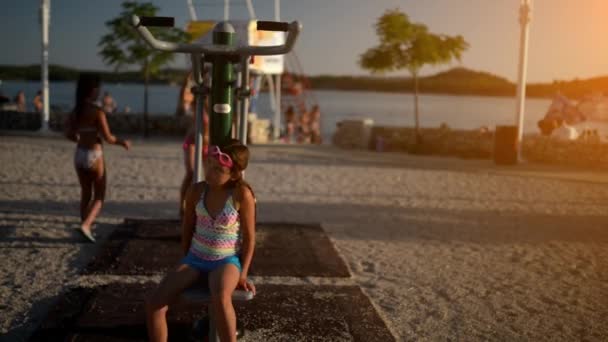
(189, 218)
(247, 216)
(105, 131)
(68, 128)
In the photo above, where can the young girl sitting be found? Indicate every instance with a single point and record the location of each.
(218, 239)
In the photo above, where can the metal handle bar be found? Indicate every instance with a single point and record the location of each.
(272, 26)
(293, 30)
(157, 21)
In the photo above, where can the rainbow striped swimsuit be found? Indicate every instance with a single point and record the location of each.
(216, 238)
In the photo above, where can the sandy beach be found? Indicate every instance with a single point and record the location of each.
(446, 249)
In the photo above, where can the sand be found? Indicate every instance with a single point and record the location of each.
(444, 248)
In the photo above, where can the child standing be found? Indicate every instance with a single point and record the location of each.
(315, 125)
(218, 239)
(290, 125)
(86, 126)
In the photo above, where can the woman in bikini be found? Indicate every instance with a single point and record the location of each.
(86, 125)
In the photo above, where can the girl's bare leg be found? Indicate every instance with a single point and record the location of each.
(222, 283)
(99, 185)
(166, 292)
(86, 191)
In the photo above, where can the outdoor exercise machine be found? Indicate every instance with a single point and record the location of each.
(225, 93)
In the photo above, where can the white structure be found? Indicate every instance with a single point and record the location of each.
(45, 14)
(525, 11)
(277, 109)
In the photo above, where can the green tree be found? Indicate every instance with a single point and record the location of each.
(408, 45)
(123, 46)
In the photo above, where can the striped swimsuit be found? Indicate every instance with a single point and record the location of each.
(216, 241)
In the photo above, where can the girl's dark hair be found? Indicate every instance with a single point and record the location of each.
(239, 154)
(87, 82)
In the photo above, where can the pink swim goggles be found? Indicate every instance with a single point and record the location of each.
(221, 157)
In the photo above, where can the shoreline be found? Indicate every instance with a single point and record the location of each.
(338, 89)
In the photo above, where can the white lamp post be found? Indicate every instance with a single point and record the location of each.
(45, 9)
(525, 11)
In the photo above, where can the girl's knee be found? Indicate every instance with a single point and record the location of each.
(154, 306)
(222, 297)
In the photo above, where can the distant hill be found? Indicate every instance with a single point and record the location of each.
(574, 89)
(456, 81)
(460, 81)
(61, 73)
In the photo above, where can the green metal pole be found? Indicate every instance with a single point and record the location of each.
(223, 82)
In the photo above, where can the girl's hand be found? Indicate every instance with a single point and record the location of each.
(246, 285)
(126, 144)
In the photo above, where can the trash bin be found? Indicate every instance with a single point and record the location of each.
(505, 145)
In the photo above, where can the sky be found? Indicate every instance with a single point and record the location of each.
(568, 38)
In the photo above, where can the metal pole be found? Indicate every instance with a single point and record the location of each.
(226, 10)
(277, 113)
(273, 101)
(213, 335)
(273, 107)
(192, 10)
(257, 84)
(45, 6)
(250, 9)
(222, 92)
(277, 10)
(237, 104)
(198, 64)
(525, 11)
(244, 101)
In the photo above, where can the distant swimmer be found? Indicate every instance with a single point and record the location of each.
(108, 104)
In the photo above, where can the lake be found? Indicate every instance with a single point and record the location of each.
(466, 112)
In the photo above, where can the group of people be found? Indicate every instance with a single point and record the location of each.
(558, 128)
(19, 103)
(564, 117)
(563, 130)
(559, 119)
(302, 129)
(217, 215)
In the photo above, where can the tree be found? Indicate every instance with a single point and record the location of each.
(123, 46)
(408, 45)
